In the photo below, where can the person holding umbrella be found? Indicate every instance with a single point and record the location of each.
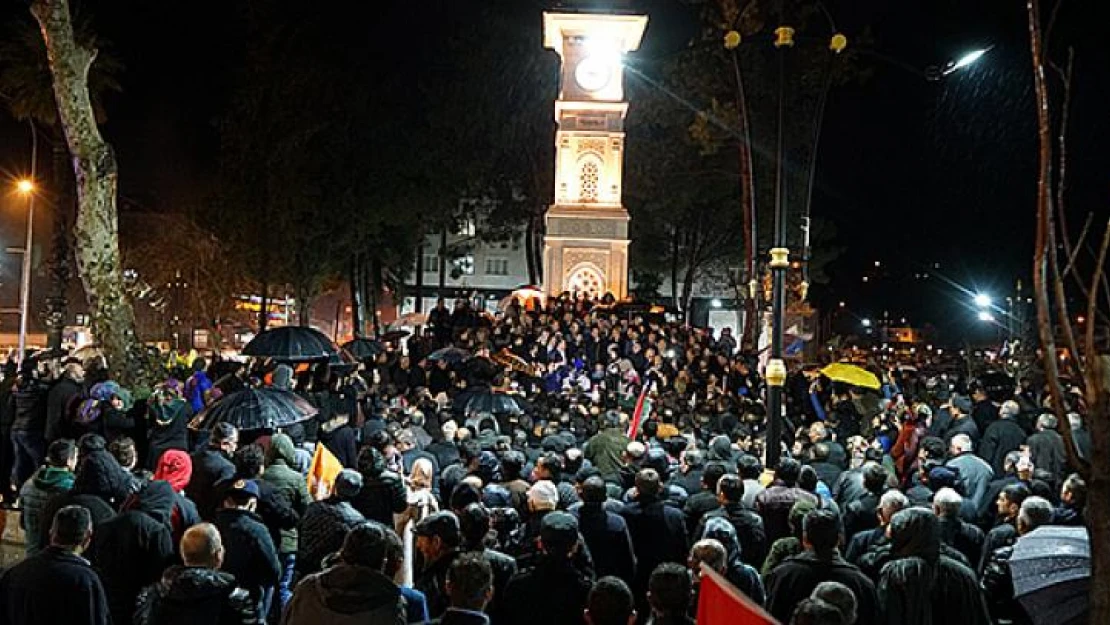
(998, 583)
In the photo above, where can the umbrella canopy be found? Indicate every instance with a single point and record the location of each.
(364, 349)
(291, 344)
(1051, 568)
(452, 355)
(493, 403)
(394, 335)
(410, 320)
(851, 374)
(255, 409)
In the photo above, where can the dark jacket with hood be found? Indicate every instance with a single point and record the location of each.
(192, 595)
(288, 484)
(749, 531)
(920, 585)
(131, 550)
(741, 574)
(210, 467)
(346, 595)
(321, 531)
(166, 428)
(606, 535)
(45, 483)
(1001, 437)
(100, 484)
(796, 577)
(249, 552)
(383, 492)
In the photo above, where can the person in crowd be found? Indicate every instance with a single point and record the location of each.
(796, 577)
(954, 531)
(383, 492)
(58, 399)
(198, 591)
(863, 513)
(1002, 436)
(198, 388)
(1046, 447)
(353, 588)
(997, 580)
(212, 466)
(748, 524)
(974, 474)
(470, 586)
(99, 485)
(813, 611)
(475, 526)
(750, 469)
(610, 603)
(791, 545)
(53, 478)
(57, 585)
(167, 422)
(605, 533)
(658, 530)
(920, 585)
(604, 449)
(706, 499)
(288, 484)
(840, 597)
(438, 538)
(743, 576)
(176, 467)
(669, 593)
(891, 502)
(553, 591)
(1004, 533)
(1073, 502)
(250, 554)
(959, 407)
(421, 503)
(987, 514)
(28, 427)
(774, 503)
(325, 523)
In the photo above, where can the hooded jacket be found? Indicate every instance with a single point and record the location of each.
(249, 552)
(749, 531)
(131, 550)
(176, 467)
(346, 595)
(288, 484)
(741, 575)
(46, 482)
(167, 428)
(191, 595)
(920, 585)
(383, 492)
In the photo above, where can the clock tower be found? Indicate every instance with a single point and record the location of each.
(586, 245)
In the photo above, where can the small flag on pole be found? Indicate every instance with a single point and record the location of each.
(321, 475)
(720, 603)
(642, 411)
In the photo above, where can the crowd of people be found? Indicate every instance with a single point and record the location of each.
(496, 470)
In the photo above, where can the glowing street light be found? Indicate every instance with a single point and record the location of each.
(968, 59)
(865, 323)
(982, 300)
(25, 186)
(985, 315)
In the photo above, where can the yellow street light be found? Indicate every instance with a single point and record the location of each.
(25, 186)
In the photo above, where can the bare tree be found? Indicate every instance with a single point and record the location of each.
(1087, 359)
(95, 169)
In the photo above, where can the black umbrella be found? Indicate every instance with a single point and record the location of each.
(493, 403)
(394, 335)
(291, 344)
(364, 349)
(452, 355)
(255, 409)
(1051, 568)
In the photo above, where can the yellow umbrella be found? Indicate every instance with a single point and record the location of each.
(851, 374)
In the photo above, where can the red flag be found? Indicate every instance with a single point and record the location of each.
(643, 408)
(720, 603)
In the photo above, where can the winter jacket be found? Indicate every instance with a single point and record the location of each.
(192, 595)
(176, 467)
(196, 390)
(346, 595)
(1048, 452)
(741, 575)
(860, 516)
(606, 535)
(131, 550)
(166, 428)
(975, 477)
(658, 534)
(604, 451)
(57, 407)
(963, 537)
(249, 552)
(503, 567)
(920, 585)
(749, 531)
(963, 425)
(1001, 437)
(383, 492)
(552, 593)
(432, 581)
(29, 399)
(210, 467)
(45, 483)
(774, 506)
(796, 577)
(288, 484)
(53, 586)
(323, 527)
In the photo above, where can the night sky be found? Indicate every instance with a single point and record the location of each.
(914, 173)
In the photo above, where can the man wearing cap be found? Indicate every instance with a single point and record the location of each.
(354, 588)
(250, 554)
(326, 522)
(554, 591)
(437, 539)
(56, 585)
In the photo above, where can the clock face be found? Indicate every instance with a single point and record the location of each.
(593, 73)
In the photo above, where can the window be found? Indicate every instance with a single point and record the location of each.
(497, 266)
(464, 265)
(431, 263)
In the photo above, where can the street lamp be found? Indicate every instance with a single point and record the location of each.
(966, 60)
(985, 315)
(26, 187)
(982, 300)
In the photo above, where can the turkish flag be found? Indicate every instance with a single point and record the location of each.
(720, 603)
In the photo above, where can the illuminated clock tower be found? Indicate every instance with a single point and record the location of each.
(586, 245)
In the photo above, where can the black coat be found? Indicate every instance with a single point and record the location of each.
(963, 537)
(382, 494)
(1001, 437)
(860, 516)
(658, 534)
(131, 550)
(249, 552)
(52, 586)
(97, 507)
(863, 542)
(552, 593)
(697, 506)
(57, 407)
(1049, 453)
(749, 531)
(796, 577)
(210, 467)
(192, 595)
(606, 535)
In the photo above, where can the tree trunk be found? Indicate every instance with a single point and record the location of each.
(95, 170)
(1098, 483)
(358, 307)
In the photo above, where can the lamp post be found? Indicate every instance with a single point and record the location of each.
(26, 187)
